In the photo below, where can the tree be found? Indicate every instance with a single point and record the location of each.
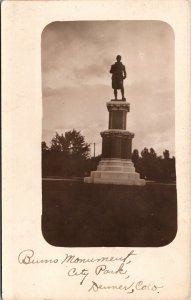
(76, 144)
(71, 144)
(66, 156)
(44, 146)
(152, 153)
(135, 155)
(58, 143)
(149, 163)
(166, 154)
(153, 167)
(145, 153)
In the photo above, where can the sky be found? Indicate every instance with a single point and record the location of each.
(76, 83)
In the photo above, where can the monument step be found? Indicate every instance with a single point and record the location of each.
(138, 182)
(116, 168)
(120, 182)
(115, 171)
(116, 162)
(115, 175)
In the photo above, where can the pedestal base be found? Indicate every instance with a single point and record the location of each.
(115, 171)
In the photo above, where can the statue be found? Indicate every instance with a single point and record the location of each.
(118, 75)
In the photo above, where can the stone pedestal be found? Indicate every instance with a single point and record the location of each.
(116, 166)
(116, 143)
(115, 171)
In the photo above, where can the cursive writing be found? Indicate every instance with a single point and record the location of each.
(76, 267)
(131, 288)
(26, 257)
(103, 269)
(75, 272)
(76, 260)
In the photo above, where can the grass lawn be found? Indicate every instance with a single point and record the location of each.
(76, 214)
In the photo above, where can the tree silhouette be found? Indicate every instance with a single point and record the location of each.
(153, 167)
(44, 147)
(66, 156)
(135, 155)
(152, 153)
(58, 143)
(145, 153)
(166, 154)
(76, 144)
(69, 156)
(71, 144)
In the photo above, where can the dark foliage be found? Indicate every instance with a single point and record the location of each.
(68, 156)
(72, 144)
(153, 167)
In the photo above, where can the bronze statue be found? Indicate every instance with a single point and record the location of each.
(118, 75)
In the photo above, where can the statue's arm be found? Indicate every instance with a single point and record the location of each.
(124, 72)
(111, 70)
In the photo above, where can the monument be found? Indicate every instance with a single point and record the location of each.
(116, 166)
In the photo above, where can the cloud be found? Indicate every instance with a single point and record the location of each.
(76, 84)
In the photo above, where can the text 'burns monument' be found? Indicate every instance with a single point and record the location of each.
(116, 166)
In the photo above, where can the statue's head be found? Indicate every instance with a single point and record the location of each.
(118, 58)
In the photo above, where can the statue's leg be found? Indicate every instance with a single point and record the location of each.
(122, 93)
(115, 94)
